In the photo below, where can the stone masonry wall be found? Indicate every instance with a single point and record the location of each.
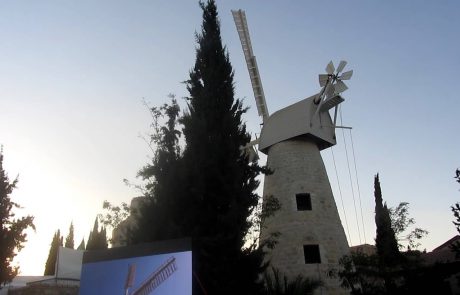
(299, 168)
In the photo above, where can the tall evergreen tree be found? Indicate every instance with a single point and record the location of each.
(97, 239)
(219, 181)
(12, 235)
(103, 238)
(50, 266)
(207, 192)
(385, 241)
(69, 242)
(82, 245)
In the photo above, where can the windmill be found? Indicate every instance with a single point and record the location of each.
(312, 236)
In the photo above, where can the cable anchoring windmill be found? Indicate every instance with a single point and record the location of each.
(312, 237)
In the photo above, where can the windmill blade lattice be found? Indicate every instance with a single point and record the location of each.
(346, 75)
(341, 66)
(332, 82)
(239, 17)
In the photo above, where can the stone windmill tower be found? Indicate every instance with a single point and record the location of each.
(312, 237)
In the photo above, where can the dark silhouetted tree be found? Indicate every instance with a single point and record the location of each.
(402, 273)
(50, 266)
(219, 180)
(69, 240)
(388, 253)
(12, 230)
(97, 239)
(385, 241)
(82, 245)
(207, 192)
(279, 284)
(456, 210)
(163, 205)
(113, 215)
(402, 224)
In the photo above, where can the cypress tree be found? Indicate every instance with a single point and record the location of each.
(82, 245)
(92, 239)
(219, 181)
(69, 242)
(103, 238)
(97, 239)
(208, 191)
(50, 265)
(385, 241)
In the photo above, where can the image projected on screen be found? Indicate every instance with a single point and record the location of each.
(153, 281)
(136, 271)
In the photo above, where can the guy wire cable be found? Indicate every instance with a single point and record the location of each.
(357, 185)
(341, 197)
(349, 174)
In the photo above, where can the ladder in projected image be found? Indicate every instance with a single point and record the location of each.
(153, 281)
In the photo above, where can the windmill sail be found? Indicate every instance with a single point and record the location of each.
(157, 277)
(239, 17)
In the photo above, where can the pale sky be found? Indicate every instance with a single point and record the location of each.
(73, 75)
